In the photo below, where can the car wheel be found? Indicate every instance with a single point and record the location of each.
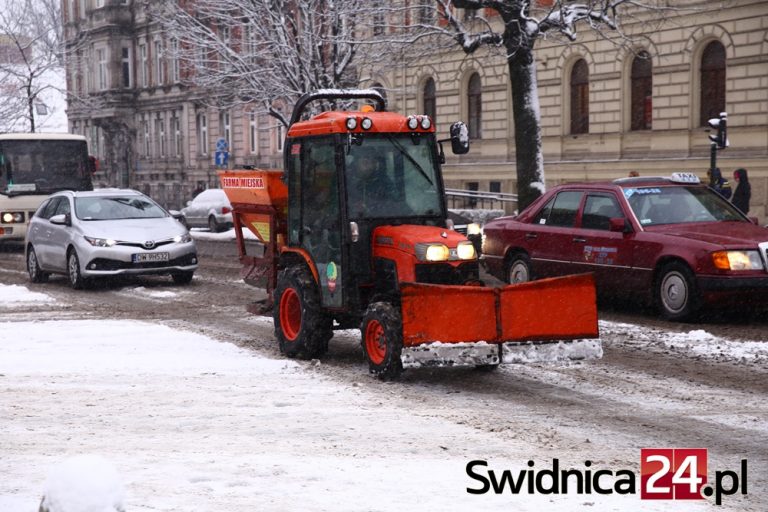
(677, 297)
(383, 340)
(76, 279)
(518, 269)
(33, 267)
(183, 277)
(213, 226)
(302, 328)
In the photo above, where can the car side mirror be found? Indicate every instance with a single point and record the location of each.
(62, 219)
(619, 225)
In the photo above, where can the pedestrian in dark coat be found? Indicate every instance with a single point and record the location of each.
(743, 192)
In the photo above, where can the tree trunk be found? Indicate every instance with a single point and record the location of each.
(527, 117)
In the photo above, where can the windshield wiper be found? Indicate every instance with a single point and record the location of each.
(405, 152)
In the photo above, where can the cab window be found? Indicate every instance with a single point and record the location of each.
(561, 211)
(598, 210)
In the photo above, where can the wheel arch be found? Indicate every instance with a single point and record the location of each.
(666, 260)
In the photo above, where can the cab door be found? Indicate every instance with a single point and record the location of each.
(549, 236)
(314, 213)
(595, 248)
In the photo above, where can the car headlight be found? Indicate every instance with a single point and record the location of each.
(737, 260)
(183, 239)
(100, 242)
(465, 251)
(432, 252)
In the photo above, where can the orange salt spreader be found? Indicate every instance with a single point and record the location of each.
(354, 234)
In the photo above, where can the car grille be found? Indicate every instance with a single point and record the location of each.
(106, 264)
(157, 243)
(443, 273)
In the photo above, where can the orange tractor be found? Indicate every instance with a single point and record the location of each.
(355, 233)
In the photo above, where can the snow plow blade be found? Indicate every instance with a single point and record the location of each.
(545, 320)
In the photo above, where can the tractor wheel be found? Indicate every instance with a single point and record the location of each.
(33, 267)
(677, 297)
(301, 327)
(382, 332)
(518, 269)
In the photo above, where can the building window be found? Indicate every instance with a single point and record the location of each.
(99, 4)
(474, 107)
(379, 20)
(101, 56)
(82, 8)
(712, 81)
(176, 127)
(202, 133)
(159, 62)
(642, 96)
(580, 97)
(426, 11)
(225, 129)
(472, 186)
(126, 67)
(160, 134)
(253, 132)
(175, 68)
(430, 99)
(144, 65)
(145, 130)
(494, 187)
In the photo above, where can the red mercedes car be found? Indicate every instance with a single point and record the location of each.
(672, 242)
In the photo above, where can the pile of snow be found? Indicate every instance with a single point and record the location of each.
(205, 234)
(15, 295)
(696, 343)
(478, 215)
(84, 483)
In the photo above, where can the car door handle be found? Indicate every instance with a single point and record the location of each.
(579, 240)
(531, 236)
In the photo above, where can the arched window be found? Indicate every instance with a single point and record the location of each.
(712, 81)
(642, 96)
(474, 107)
(430, 99)
(580, 97)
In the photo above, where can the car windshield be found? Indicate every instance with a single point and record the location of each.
(392, 175)
(679, 205)
(117, 207)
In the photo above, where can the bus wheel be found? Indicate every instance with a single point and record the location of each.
(383, 340)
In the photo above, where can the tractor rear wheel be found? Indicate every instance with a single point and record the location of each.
(382, 332)
(302, 328)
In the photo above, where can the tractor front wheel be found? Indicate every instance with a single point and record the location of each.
(382, 332)
(302, 328)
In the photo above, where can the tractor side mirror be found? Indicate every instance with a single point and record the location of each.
(93, 164)
(459, 138)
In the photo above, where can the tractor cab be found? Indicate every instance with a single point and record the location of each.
(352, 173)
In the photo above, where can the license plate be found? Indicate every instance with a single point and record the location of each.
(150, 257)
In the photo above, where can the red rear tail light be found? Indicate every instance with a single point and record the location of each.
(226, 209)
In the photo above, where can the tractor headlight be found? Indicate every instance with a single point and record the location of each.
(465, 251)
(351, 123)
(100, 242)
(432, 252)
(366, 123)
(425, 123)
(737, 260)
(413, 123)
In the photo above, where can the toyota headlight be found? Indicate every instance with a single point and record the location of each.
(100, 242)
(183, 239)
(432, 252)
(465, 251)
(737, 260)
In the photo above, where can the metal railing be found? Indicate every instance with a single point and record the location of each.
(458, 198)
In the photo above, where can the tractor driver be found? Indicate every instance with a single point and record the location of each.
(370, 190)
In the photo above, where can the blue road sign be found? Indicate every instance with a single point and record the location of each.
(222, 145)
(221, 157)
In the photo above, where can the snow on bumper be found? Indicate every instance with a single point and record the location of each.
(481, 353)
